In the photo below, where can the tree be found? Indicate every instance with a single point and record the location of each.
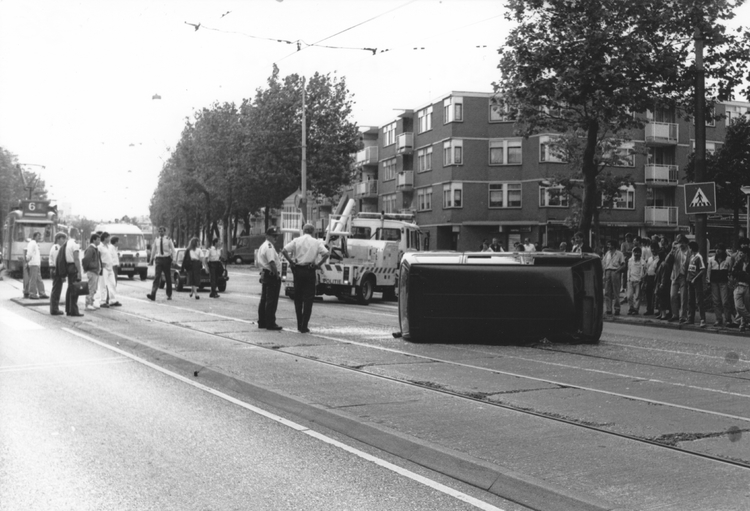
(273, 127)
(586, 66)
(729, 168)
(12, 188)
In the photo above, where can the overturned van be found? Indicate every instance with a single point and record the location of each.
(503, 297)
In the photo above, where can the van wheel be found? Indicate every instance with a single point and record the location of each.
(238, 260)
(365, 291)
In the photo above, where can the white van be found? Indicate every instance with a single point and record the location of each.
(132, 248)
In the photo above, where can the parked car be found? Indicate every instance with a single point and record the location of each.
(180, 279)
(244, 252)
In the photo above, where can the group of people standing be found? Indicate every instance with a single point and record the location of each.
(673, 278)
(100, 262)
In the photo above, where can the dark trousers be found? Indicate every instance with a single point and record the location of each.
(71, 297)
(304, 294)
(163, 267)
(695, 297)
(54, 299)
(214, 269)
(650, 286)
(269, 300)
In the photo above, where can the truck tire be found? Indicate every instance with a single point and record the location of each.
(366, 290)
(390, 295)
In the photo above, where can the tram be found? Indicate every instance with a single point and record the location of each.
(20, 225)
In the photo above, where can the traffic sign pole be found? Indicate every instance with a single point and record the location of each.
(700, 135)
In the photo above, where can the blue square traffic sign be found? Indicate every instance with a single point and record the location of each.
(700, 198)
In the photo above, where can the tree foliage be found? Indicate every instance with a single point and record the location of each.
(233, 161)
(12, 188)
(584, 67)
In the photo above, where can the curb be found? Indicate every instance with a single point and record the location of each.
(677, 326)
(27, 302)
(522, 489)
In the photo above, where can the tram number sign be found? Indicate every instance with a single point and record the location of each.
(34, 208)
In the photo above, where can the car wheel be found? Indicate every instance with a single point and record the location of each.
(222, 286)
(179, 284)
(365, 291)
(238, 260)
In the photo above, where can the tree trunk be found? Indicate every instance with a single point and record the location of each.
(597, 233)
(589, 170)
(736, 227)
(227, 246)
(268, 218)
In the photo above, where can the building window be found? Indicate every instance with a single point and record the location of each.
(424, 199)
(389, 169)
(453, 152)
(389, 203)
(549, 152)
(734, 112)
(504, 195)
(552, 196)
(389, 134)
(453, 110)
(499, 113)
(453, 195)
(626, 199)
(623, 155)
(424, 159)
(505, 151)
(711, 147)
(424, 117)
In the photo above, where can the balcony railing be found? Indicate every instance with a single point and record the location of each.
(405, 143)
(405, 180)
(662, 175)
(661, 215)
(366, 189)
(662, 133)
(368, 156)
(291, 221)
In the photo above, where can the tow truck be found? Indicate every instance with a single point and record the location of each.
(366, 251)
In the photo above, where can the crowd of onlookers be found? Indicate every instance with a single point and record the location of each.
(672, 279)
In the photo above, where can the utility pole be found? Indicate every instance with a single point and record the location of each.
(303, 199)
(700, 132)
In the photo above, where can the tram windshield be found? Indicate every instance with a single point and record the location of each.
(24, 232)
(131, 242)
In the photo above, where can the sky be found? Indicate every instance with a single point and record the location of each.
(79, 77)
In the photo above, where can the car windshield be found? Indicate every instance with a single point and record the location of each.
(131, 242)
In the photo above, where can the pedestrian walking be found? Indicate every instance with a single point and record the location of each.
(74, 273)
(678, 294)
(92, 266)
(717, 275)
(215, 267)
(695, 278)
(664, 285)
(162, 252)
(34, 287)
(59, 272)
(270, 263)
(613, 264)
(193, 264)
(115, 256)
(107, 291)
(636, 276)
(741, 275)
(305, 255)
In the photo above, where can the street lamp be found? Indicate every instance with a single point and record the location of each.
(746, 191)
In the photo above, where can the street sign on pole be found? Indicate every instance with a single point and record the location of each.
(700, 198)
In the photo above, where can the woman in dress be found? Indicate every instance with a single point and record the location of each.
(193, 263)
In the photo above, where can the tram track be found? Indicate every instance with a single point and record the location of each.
(668, 442)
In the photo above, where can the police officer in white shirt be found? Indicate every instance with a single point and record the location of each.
(162, 251)
(269, 261)
(306, 250)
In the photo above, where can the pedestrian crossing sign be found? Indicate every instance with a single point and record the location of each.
(700, 198)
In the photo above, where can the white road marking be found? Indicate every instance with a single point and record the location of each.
(16, 322)
(72, 363)
(298, 427)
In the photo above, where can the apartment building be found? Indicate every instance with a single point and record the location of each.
(457, 164)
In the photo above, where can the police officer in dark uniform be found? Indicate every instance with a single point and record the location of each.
(269, 261)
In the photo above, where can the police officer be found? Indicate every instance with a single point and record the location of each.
(306, 251)
(269, 261)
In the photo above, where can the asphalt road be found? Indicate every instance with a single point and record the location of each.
(625, 422)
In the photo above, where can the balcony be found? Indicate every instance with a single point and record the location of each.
(662, 175)
(405, 180)
(405, 143)
(366, 189)
(662, 133)
(291, 221)
(661, 215)
(367, 156)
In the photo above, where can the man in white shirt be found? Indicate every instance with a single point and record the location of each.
(75, 272)
(270, 263)
(215, 267)
(306, 250)
(35, 286)
(528, 246)
(162, 252)
(107, 292)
